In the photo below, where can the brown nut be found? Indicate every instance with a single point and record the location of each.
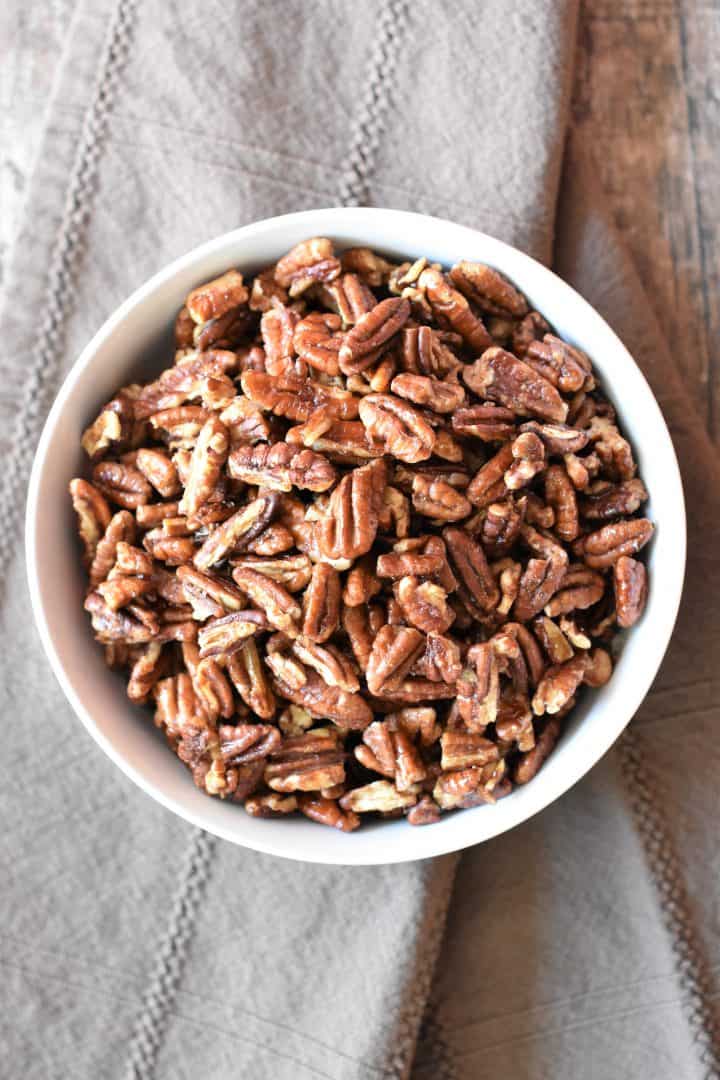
(112, 429)
(371, 332)
(531, 762)
(93, 515)
(471, 566)
(321, 603)
(561, 364)
(223, 635)
(237, 531)
(425, 353)
(580, 588)
(438, 500)
(295, 398)
(399, 428)
(532, 328)
(121, 484)
(424, 604)
(208, 457)
(560, 495)
(558, 685)
(317, 341)
(309, 262)
(511, 382)
(440, 397)
(379, 796)
(607, 545)
(394, 651)
(281, 609)
(216, 297)
(488, 289)
(452, 309)
(631, 590)
(281, 467)
(500, 527)
(327, 812)
(528, 454)
(558, 438)
(350, 524)
(461, 749)
(488, 484)
(603, 501)
(250, 678)
(491, 423)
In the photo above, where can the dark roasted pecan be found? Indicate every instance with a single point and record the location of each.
(603, 500)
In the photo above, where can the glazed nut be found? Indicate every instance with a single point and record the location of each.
(250, 678)
(488, 484)
(121, 484)
(223, 635)
(327, 812)
(631, 590)
(560, 495)
(208, 457)
(397, 426)
(380, 796)
(559, 684)
(471, 566)
(461, 749)
(216, 297)
(438, 500)
(530, 762)
(371, 333)
(625, 537)
(424, 604)
(309, 262)
(295, 398)
(237, 531)
(473, 786)
(488, 289)
(321, 603)
(565, 366)
(558, 438)
(528, 454)
(513, 383)
(425, 812)
(112, 428)
(451, 308)
(281, 468)
(603, 500)
(281, 609)
(579, 589)
(93, 514)
(424, 390)
(491, 423)
(425, 353)
(348, 528)
(394, 651)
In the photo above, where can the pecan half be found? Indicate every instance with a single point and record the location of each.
(237, 531)
(558, 685)
(327, 812)
(216, 297)
(491, 423)
(122, 484)
(273, 599)
(580, 588)
(347, 710)
(250, 678)
(296, 398)
(561, 364)
(528, 454)
(349, 526)
(394, 651)
(93, 515)
(441, 397)
(631, 590)
(281, 467)
(381, 796)
(560, 495)
(501, 376)
(308, 262)
(224, 635)
(607, 545)
(208, 458)
(531, 762)
(488, 484)
(558, 438)
(603, 501)
(452, 309)
(425, 353)
(471, 566)
(112, 429)
(400, 429)
(424, 604)
(370, 333)
(488, 289)
(318, 342)
(438, 500)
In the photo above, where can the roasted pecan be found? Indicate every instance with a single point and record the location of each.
(121, 527)
(362, 583)
(488, 484)
(235, 533)
(558, 438)
(93, 515)
(397, 426)
(216, 297)
(631, 590)
(208, 594)
(500, 527)
(292, 571)
(379, 796)
(321, 603)
(208, 458)
(528, 454)
(318, 342)
(357, 622)
(425, 812)
(265, 290)
(371, 333)
(440, 661)
(478, 688)
(558, 685)
(180, 426)
(349, 297)
(113, 428)
(508, 574)
(564, 366)
(603, 500)
(598, 669)
(440, 396)
(281, 467)
(159, 470)
(334, 668)
(471, 565)
(488, 289)
(224, 332)
(553, 640)
(425, 353)
(308, 262)
(350, 523)
(197, 375)
(613, 450)
(327, 812)
(491, 423)
(438, 500)
(532, 761)
(461, 749)
(501, 376)
(560, 495)
(277, 327)
(120, 626)
(424, 604)
(451, 309)
(394, 651)
(273, 599)
(368, 265)
(388, 749)
(347, 710)
(209, 682)
(296, 398)
(473, 786)
(222, 636)
(532, 328)
(580, 588)
(607, 545)
(272, 805)
(542, 577)
(250, 678)
(122, 484)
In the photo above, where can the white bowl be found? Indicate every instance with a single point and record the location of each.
(131, 344)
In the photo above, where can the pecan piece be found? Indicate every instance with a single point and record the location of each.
(334, 668)
(461, 749)
(180, 426)
(250, 678)
(310, 762)
(473, 786)
(349, 297)
(93, 515)
(491, 423)
(388, 750)
(561, 364)
(631, 590)
(424, 604)
(121, 527)
(469, 561)
(265, 290)
(216, 297)
(559, 684)
(501, 376)
(292, 571)
(237, 531)
(528, 454)
(607, 545)
(122, 484)
(425, 812)
(488, 484)
(560, 495)
(553, 640)
(271, 805)
(424, 353)
(452, 309)
(532, 328)
(117, 626)
(207, 594)
(580, 588)
(281, 609)
(243, 743)
(159, 470)
(347, 710)
(603, 501)
(500, 527)
(532, 761)
(394, 652)
(112, 429)
(368, 265)
(488, 289)
(350, 523)
(327, 812)
(146, 671)
(438, 500)
(208, 458)
(281, 467)
(397, 426)
(380, 796)
(613, 450)
(441, 397)
(321, 603)
(309, 262)
(277, 327)
(478, 688)
(558, 438)
(441, 660)
(370, 333)
(362, 583)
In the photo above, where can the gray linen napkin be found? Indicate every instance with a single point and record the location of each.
(134, 945)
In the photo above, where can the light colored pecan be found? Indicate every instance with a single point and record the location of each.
(349, 296)
(425, 812)
(469, 561)
(553, 640)
(438, 500)
(541, 577)
(265, 290)
(423, 604)
(603, 500)
(237, 531)
(345, 441)
(472, 786)
(321, 603)
(399, 427)
(362, 583)
(575, 635)
(419, 722)
(394, 652)
(294, 720)
(309, 262)
(439, 396)
(131, 560)
(318, 342)
(528, 453)
(208, 458)
(530, 763)
(223, 635)
(371, 333)
(488, 289)
(440, 661)
(277, 327)
(519, 655)
(292, 571)
(147, 669)
(93, 514)
(607, 545)
(350, 523)
(208, 594)
(561, 364)
(514, 723)
(558, 438)
(560, 495)
(380, 796)
(334, 668)
(121, 527)
(271, 805)
(631, 590)
(488, 484)
(122, 484)
(537, 512)
(347, 710)
(613, 450)
(327, 812)
(511, 382)
(532, 328)
(451, 309)
(216, 297)
(580, 588)
(491, 423)
(296, 398)
(461, 749)
(210, 683)
(411, 563)
(368, 265)
(559, 684)
(180, 426)
(250, 678)
(282, 611)
(112, 429)
(281, 467)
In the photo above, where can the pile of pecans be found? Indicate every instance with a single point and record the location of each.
(366, 540)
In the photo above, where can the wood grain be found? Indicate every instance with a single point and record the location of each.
(647, 97)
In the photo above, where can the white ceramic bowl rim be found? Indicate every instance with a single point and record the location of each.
(588, 737)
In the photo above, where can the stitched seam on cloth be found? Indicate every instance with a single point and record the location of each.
(693, 971)
(436, 1058)
(45, 365)
(370, 124)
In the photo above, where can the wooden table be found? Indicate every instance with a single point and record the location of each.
(647, 95)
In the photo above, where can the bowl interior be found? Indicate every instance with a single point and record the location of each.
(135, 344)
